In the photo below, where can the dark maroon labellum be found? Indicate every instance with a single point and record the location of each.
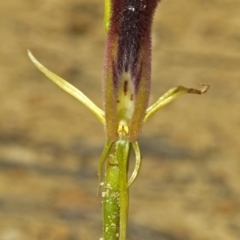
(127, 71)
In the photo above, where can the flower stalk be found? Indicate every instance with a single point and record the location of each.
(126, 90)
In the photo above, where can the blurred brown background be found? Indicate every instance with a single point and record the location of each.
(189, 185)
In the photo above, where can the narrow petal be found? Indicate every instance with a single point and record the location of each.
(170, 96)
(69, 89)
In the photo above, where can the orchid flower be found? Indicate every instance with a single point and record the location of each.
(126, 90)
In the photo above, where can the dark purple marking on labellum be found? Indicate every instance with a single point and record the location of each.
(125, 87)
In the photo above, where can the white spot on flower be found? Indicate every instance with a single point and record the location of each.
(131, 8)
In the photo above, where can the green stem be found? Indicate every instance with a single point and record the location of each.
(115, 194)
(111, 198)
(122, 150)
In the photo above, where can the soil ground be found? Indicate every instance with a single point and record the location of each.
(189, 184)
